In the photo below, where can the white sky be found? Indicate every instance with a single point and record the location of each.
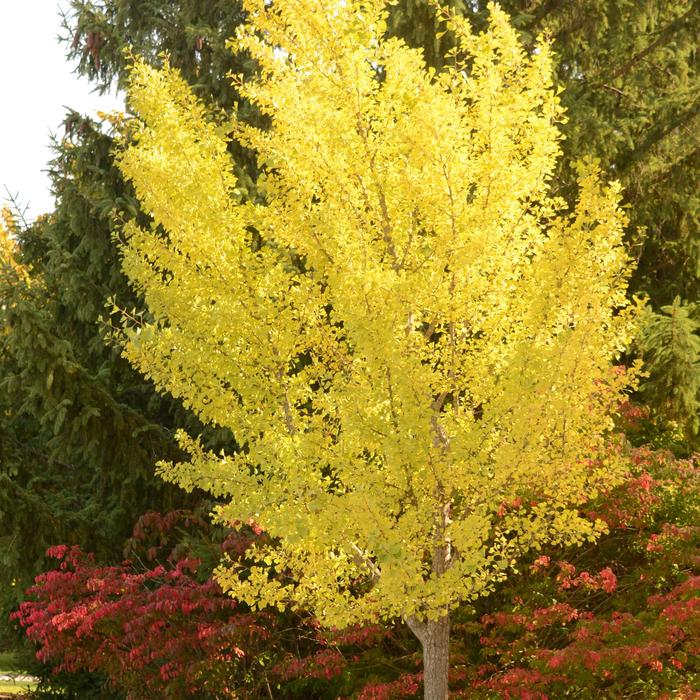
(37, 85)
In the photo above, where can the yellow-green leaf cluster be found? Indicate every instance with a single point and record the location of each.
(410, 338)
(10, 268)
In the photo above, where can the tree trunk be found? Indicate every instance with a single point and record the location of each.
(434, 636)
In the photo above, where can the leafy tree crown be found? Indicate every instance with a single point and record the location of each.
(411, 338)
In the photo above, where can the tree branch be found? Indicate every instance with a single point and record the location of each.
(665, 35)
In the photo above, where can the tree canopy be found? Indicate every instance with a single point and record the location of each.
(405, 329)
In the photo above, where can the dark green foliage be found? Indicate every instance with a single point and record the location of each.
(192, 33)
(73, 686)
(632, 89)
(80, 431)
(670, 348)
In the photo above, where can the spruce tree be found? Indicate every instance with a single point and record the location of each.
(670, 346)
(80, 431)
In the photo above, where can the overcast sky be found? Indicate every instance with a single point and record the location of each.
(37, 85)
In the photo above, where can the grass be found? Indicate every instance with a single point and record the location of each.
(11, 663)
(15, 688)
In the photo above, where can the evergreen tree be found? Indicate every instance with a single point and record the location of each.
(670, 346)
(193, 33)
(80, 431)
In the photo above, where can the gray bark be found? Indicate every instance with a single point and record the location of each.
(434, 636)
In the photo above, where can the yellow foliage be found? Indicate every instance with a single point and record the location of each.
(9, 267)
(416, 359)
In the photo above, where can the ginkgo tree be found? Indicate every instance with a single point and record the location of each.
(409, 336)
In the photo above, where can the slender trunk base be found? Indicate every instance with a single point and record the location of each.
(434, 636)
